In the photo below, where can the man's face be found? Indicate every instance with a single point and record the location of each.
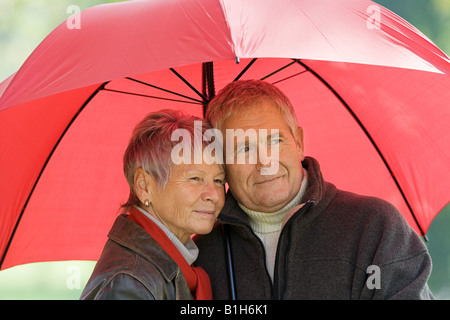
(265, 192)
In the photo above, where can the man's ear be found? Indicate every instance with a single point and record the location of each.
(299, 143)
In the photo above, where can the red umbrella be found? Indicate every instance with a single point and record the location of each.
(370, 90)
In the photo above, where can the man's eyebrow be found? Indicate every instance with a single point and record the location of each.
(247, 141)
(277, 134)
(241, 143)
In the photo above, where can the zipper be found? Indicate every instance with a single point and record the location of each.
(237, 223)
(274, 286)
(275, 294)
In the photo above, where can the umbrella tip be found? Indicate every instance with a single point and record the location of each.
(237, 60)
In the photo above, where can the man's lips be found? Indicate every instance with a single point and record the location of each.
(268, 180)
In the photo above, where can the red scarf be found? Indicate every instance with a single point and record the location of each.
(196, 278)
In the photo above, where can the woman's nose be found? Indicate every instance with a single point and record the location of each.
(210, 192)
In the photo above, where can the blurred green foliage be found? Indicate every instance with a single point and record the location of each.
(439, 248)
(62, 280)
(25, 23)
(431, 17)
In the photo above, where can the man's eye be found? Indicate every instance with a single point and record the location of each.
(219, 181)
(244, 149)
(275, 140)
(195, 178)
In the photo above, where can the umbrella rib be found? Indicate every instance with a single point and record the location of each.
(280, 69)
(245, 69)
(43, 168)
(152, 97)
(162, 89)
(287, 78)
(324, 82)
(189, 84)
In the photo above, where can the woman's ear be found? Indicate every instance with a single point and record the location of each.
(142, 186)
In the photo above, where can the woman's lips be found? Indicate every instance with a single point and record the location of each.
(207, 213)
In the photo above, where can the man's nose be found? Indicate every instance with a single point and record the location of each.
(263, 158)
(265, 164)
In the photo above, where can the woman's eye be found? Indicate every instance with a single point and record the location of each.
(195, 178)
(219, 181)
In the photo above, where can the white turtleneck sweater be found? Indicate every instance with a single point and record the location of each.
(267, 226)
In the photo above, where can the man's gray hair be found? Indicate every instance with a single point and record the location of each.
(240, 96)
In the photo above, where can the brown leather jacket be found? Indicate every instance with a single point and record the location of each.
(134, 266)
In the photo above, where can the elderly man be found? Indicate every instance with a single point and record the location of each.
(293, 235)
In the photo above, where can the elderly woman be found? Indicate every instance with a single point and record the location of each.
(149, 253)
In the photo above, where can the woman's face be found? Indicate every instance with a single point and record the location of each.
(191, 200)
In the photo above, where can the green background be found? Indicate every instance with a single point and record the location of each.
(25, 23)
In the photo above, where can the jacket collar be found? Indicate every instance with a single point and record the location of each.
(136, 239)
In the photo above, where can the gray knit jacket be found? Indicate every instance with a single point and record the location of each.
(339, 245)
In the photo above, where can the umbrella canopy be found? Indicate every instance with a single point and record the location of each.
(369, 89)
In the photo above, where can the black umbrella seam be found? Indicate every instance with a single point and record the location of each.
(363, 128)
(152, 97)
(188, 84)
(13, 233)
(162, 89)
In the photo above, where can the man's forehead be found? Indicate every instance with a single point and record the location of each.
(256, 116)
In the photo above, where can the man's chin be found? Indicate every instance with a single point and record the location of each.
(269, 204)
